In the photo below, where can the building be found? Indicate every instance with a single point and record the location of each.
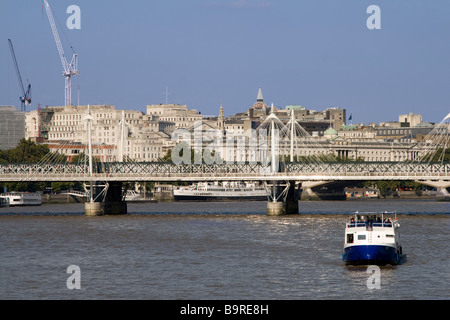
(173, 116)
(410, 127)
(132, 135)
(410, 120)
(65, 130)
(314, 122)
(12, 127)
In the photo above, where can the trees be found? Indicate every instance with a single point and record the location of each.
(29, 152)
(26, 151)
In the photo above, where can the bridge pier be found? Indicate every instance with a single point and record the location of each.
(275, 208)
(113, 202)
(283, 201)
(92, 209)
(292, 199)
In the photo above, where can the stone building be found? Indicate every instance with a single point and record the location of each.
(65, 130)
(173, 116)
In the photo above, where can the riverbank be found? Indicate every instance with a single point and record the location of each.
(401, 195)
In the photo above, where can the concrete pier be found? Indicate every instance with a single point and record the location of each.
(111, 204)
(292, 198)
(287, 204)
(275, 208)
(92, 209)
(114, 203)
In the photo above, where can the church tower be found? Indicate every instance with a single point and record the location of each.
(260, 104)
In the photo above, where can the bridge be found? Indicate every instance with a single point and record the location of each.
(169, 172)
(103, 180)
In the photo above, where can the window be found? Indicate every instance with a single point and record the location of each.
(350, 238)
(361, 237)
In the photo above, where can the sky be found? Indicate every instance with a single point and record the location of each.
(204, 53)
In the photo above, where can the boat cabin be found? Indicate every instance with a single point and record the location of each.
(371, 227)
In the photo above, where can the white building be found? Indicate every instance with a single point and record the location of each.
(65, 129)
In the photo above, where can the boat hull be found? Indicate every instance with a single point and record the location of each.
(371, 254)
(218, 198)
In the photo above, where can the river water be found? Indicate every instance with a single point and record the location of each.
(215, 251)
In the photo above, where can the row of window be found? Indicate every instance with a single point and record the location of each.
(396, 132)
(68, 117)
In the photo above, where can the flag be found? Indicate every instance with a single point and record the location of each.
(350, 118)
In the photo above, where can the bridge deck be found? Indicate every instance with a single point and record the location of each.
(219, 172)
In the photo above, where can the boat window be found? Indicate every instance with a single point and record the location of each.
(361, 237)
(350, 238)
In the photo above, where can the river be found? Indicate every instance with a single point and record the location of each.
(183, 250)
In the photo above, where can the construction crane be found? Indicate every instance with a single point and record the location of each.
(70, 69)
(25, 99)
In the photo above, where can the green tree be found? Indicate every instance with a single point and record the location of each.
(26, 151)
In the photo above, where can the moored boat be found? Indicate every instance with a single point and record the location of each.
(22, 198)
(227, 191)
(372, 238)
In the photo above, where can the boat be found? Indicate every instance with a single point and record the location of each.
(227, 191)
(22, 198)
(372, 238)
(133, 196)
(361, 193)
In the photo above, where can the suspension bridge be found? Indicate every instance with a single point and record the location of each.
(104, 179)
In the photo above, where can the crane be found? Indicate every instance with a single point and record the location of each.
(70, 69)
(25, 99)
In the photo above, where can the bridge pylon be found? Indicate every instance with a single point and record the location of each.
(106, 199)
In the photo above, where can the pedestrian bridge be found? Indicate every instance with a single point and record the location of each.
(168, 172)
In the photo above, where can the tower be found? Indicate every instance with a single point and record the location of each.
(221, 119)
(260, 96)
(260, 104)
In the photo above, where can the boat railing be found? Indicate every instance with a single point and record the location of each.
(369, 224)
(371, 220)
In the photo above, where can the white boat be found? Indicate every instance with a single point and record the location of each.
(227, 191)
(372, 238)
(133, 196)
(22, 198)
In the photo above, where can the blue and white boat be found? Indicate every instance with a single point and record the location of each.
(372, 238)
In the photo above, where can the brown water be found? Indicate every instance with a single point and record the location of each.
(216, 251)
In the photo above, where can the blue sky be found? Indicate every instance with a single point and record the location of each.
(314, 53)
